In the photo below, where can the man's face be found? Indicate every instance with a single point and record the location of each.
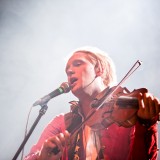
(80, 72)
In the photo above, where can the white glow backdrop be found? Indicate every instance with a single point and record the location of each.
(36, 36)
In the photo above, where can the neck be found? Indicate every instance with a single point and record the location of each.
(85, 107)
(87, 94)
(85, 101)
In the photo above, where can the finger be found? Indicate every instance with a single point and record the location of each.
(67, 137)
(152, 107)
(57, 142)
(46, 151)
(57, 156)
(48, 145)
(61, 142)
(51, 155)
(147, 102)
(140, 99)
(157, 105)
(144, 110)
(62, 139)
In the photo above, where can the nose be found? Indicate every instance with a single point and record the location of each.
(70, 72)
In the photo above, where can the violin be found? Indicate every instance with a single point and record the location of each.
(113, 105)
(120, 108)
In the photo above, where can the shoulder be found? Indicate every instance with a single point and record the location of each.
(57, 124)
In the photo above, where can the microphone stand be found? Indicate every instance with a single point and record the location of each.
(42, 111)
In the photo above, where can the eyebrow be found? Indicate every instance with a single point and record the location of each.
(75, 60)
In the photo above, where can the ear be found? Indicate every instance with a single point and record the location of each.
(98, 69)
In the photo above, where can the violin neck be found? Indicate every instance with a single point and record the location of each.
(129, 102)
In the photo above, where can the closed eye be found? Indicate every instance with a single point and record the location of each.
(77, 63)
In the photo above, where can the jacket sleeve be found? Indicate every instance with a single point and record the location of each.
(56, 126)
(144, 141)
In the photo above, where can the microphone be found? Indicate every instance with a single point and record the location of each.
(64, 88)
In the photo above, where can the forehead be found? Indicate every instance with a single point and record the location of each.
(78, 56)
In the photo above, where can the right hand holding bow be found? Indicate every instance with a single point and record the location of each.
(59, 142)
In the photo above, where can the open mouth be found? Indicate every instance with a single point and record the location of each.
(73, 80)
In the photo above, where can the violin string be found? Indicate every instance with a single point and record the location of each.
(108, 97)
(129, 73)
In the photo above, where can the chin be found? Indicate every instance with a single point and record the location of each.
(76, 91)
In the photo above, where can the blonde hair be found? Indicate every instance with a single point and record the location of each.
(95, 54)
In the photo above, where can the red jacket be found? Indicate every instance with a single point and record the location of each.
(136, 143)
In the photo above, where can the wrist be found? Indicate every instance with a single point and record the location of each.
(147, 122)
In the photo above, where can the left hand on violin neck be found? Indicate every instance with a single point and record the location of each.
(149, 106)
